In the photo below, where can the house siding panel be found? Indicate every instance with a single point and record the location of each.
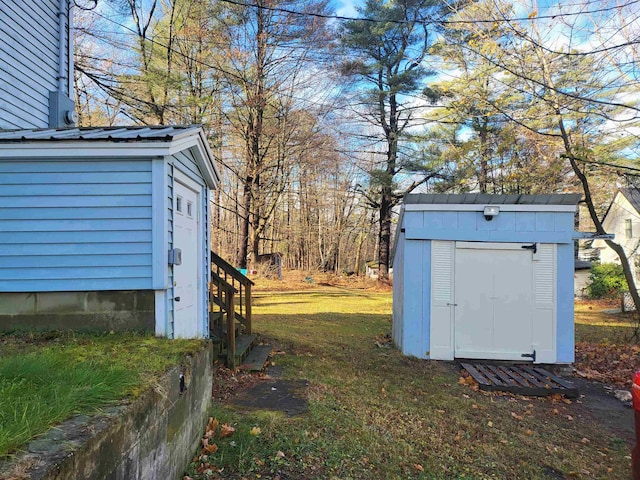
(29, 62)
(75, 229)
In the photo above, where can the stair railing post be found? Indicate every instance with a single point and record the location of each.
(231, 330)
(247, 304)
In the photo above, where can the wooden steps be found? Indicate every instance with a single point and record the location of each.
(520, 379)
(257, 358)
(243, 347)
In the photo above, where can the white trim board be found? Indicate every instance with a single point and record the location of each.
(458, 207)
(101, 149)
(180, 177)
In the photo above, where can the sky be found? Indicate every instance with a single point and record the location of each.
(346, 8)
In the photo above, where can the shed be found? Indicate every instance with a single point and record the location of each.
(481, 276)
(91, 221)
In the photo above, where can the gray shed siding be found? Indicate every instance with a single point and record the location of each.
(28, 61)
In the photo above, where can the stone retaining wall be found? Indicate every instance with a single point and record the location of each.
(153, 438)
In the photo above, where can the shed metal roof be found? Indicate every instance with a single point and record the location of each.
(114, 134)
(490, 199)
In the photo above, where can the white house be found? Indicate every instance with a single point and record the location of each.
(485, 277)
(623, 220)
(101, 228)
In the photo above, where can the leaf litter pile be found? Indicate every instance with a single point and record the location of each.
(611, 364)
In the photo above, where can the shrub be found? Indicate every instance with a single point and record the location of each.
(606, 281)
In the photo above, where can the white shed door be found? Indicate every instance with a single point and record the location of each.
(494, 301)
(185, 275)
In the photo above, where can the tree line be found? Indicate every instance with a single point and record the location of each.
(320, 124)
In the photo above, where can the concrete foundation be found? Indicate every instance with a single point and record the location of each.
(104, 310)
(153, 438)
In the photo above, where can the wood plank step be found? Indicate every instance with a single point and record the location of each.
(257, 358)
(243, 345)
(519, 379)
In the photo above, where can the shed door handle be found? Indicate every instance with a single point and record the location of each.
(177, 299)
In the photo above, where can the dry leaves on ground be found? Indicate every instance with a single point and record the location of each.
(611, 364)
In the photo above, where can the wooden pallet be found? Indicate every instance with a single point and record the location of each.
(520, 379)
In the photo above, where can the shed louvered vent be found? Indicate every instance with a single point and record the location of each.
(544, 274)
(442, 258)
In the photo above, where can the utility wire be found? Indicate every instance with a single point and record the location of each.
(427, 21)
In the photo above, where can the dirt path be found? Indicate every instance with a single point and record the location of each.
(598, 401)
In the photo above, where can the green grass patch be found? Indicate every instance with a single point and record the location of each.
(376, 414)
(48, 377)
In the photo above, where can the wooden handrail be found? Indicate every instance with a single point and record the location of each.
(230, 269)
(223, 282)
(223, 291)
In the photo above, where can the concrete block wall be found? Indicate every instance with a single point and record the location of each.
(98, 310)
(155, 437)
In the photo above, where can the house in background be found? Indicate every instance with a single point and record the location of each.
(101, 228)
(485, 277)
(623, 220)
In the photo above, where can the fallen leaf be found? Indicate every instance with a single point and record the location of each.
(211, 448)
(570, 418)
(489, 424)
(529, 432)
(226, 430)
(516, 416)
(418, 467)
(280, 454)
(255, 431)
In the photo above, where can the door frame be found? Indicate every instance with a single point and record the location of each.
(494, 247)
(185, 181)
(442, 297)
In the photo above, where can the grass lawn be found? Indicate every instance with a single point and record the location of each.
(374, 414)
(48, 377)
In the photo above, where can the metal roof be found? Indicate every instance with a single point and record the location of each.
(113, 134)
(490, 199)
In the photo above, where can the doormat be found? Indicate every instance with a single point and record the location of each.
(519, 379)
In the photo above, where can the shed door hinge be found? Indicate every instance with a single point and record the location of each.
(533, 246)
(532, 356)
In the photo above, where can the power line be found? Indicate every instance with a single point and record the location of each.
(427, 20)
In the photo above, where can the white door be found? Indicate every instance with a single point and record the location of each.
(185, 237)
(493, 301)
